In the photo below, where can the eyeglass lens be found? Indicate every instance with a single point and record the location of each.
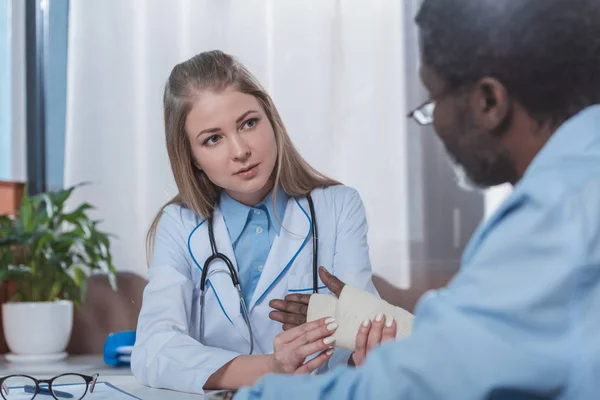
(19, 387)
(424, 115)
(73, 385)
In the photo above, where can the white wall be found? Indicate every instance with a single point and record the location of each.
(18, 113)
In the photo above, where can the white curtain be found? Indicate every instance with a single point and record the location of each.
(334, 68)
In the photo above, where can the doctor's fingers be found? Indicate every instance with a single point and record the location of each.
(334, 284)
(315, 363)
(375, 332)
(307, 332)
(312, 343)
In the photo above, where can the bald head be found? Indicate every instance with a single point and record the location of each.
(545, 52)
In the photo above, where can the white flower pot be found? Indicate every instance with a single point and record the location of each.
(42, 328)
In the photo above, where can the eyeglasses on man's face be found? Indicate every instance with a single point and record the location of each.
(423, 114)
(61, 387)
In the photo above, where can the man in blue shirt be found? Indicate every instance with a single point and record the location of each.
(515, 97)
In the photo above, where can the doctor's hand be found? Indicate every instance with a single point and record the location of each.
(291, 311)
(291, 347)
(370, 335)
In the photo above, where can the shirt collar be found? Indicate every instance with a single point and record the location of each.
(575, 137)
(236, 214)
(280, 206)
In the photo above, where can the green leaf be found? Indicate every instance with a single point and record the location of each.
(26, 212)
(79, 276)
(4, 274)
(112, 279)
(49, 207)
(83, 291)
(72, 293)
(55, 291)
(61, 196)
(42, 240)
(6, 223)
(77, 215)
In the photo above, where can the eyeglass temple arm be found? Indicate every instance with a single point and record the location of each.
(93, 383)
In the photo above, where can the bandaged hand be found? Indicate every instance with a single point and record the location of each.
(291, 311)
(351, 307)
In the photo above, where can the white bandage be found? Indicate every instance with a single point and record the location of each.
(352, 308)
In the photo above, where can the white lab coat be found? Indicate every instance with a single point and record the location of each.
(168, 354)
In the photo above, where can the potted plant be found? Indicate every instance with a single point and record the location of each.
(46, 255)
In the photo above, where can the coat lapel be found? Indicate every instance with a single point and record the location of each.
(219, 282)
(293, 237)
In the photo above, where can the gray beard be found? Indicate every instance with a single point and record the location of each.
(462, 179)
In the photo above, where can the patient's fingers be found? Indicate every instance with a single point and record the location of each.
(389, 330)
(332, 283)
(290, 312)
(289, 306)
(298, 298)
(360, 346)
(289, 320)
(375, 333)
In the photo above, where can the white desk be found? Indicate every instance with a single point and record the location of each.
(89, 365)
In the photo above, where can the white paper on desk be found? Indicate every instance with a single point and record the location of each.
(106, 390)
(102, 391)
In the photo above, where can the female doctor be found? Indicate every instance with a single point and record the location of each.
(247, 211)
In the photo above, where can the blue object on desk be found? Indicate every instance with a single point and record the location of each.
(46, 391)
(117, 348)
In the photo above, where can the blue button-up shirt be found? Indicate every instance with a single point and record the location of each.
(252, 231)
(522, 317)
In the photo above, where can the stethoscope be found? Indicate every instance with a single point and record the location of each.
(234, 276)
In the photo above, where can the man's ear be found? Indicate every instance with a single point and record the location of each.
(490, 104)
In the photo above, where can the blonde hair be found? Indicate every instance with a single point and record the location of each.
(216, 71)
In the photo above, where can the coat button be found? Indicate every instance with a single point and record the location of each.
(259, 230)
